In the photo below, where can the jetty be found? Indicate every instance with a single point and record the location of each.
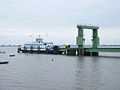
(79, 49)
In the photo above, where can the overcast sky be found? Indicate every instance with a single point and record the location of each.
(56, 20)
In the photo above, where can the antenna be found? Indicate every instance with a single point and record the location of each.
(39, 35)
(46, 36)
(33, 37)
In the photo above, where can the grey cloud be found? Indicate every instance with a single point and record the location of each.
(63, 12)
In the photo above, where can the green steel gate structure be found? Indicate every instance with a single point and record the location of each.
(82, 50)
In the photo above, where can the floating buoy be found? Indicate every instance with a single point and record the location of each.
(52, 60)
(2, 52)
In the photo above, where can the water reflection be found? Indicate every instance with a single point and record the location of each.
(39, 72)
(96, 83)
(88, 75)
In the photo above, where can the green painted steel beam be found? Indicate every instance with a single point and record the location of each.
(79, 38)
(93, 49)
(95, 39)
(87, 27)
(102, 49)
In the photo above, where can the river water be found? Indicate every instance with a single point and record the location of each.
(58, 72)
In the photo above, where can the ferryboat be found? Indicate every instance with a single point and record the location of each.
(38, 45)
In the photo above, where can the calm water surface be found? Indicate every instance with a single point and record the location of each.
(39, 72)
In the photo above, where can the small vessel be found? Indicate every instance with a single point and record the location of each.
(2, 52)
(12, 55)
(4, 62)
(38, 45)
